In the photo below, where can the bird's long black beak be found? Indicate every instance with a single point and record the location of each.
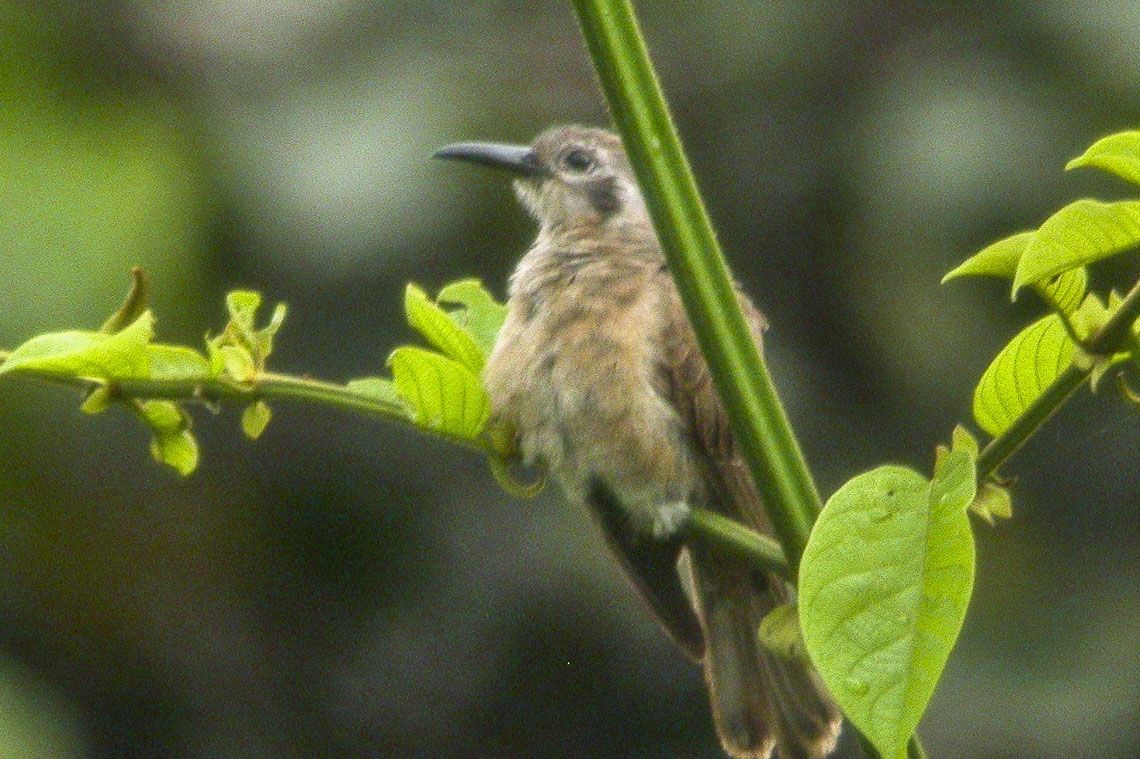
(517, 159)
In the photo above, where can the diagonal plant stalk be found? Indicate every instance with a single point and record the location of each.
(755, 411)
(758, 418)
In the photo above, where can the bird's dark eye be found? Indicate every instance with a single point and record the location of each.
(578, 160)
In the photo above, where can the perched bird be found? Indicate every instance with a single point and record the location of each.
(598, 371)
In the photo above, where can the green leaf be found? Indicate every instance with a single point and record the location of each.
(780, 632)
(1080, 233)
(1117, 153)
(377, 388)
(242, 306)
(133, 306)
(263, 338)
(241, 333)
(88, 355)
(992, 502)
(444, 395)
(1000, 259)
(962, 440)
(481, 315)
(173, 444)
(955, 481)
(176, 362)
(163, 416)
(440, 330)
(176, 449)
(884, 585)
(238, 363)
(99, 399)
(1020, 373)
(255, 419)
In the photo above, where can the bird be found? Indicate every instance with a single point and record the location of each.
(597, 371)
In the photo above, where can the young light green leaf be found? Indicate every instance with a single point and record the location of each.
(176, 449)
(1117, 153)
(241, 332)
(242, 306)
(955, 482)
(444, 395)
(440, 330)
(1021, 371)
(1080, 233)
(263, 338)
(884, 583)
(780, 632)
(176, 362)
(163, 416)
(961, 439)
(255, 419)
(481, 315)
(173, 444)
(992, 502)
(133, 306)
(88, 355)
(238, 363)
(98, 400)
(1000, 259)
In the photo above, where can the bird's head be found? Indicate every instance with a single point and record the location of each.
(569, 177)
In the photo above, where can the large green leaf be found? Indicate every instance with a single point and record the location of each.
(443, 394)
(884, 582)
(440, 330)
(1118, 153)
(1063, 292)
(481, 315)
(127, 354)
(88, 355)
(1020, 373)
(1080, 233)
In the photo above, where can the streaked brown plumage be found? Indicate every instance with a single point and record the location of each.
(598, 371)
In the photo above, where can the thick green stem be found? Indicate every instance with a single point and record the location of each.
(1114, 336)
(758, 419)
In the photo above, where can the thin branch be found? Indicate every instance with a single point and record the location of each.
(733, 539)
(270, 386)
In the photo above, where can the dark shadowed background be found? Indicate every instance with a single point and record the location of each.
(345, 588)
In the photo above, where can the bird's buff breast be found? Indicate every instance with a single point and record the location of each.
(576, 372)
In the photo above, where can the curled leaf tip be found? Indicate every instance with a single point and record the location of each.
(501, 469)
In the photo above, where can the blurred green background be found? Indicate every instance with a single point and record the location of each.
(343, 588)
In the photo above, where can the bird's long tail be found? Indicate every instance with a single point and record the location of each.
(760, 700)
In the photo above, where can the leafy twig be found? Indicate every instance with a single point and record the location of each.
(1113, 336)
